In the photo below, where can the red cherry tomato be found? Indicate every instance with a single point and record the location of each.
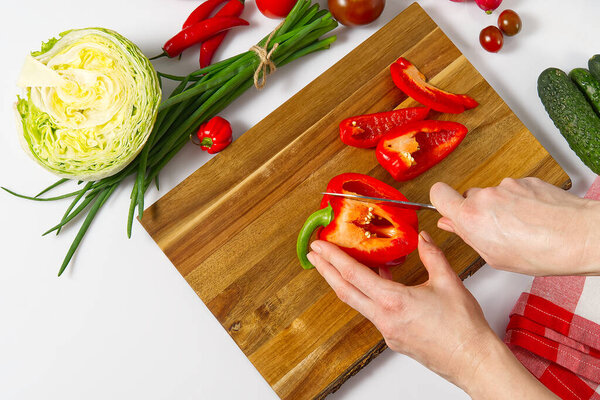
(509, 22)
(275, 8)
(356, 12)
(491, 39)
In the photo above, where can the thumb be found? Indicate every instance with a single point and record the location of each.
(445, 199)
(433, 258)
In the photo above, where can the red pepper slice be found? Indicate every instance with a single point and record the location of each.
(412, 82)
(202, 12)
(215, 135)
(199, 32)
(412, 149)
(365, 131)
(375, 234)
(233, 8)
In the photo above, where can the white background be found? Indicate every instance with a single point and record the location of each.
(122, 323)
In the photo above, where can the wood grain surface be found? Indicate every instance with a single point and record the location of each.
(230, 228)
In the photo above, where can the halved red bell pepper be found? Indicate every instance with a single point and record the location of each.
(412, 149)
(365, 131)
(412, 82)
(375, 234)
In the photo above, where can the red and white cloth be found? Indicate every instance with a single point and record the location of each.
(554, 330)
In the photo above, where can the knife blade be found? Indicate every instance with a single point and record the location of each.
(369, 199)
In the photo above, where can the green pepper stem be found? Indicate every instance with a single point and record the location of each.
(320, 218)
(163, 54)
(207, 142)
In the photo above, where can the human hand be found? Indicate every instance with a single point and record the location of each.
(411, 318)
(526, 226)
(438, 323)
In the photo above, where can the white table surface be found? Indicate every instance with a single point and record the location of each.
(122, 323)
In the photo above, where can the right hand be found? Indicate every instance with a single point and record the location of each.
(525, 226)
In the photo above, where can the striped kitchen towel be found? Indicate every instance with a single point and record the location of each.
(554, 330)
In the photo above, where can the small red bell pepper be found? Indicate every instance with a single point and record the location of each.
(365, 131)
(375, 234)
(412, 149)
(412, 82)
(215, 135)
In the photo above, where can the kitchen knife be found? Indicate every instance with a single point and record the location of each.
(368, 199)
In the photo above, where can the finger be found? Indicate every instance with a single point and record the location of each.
(446, 224)
(351, 270)
(445, 199)
(385, 273)
(342, 288)
(433, 258)
(471, 192)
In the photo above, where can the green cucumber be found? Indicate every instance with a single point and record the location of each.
(589, 85)
(572, 115)
(594, 66)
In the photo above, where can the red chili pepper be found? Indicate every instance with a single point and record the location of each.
(233, 8)
(202, 12)
(199, 32)
(412, 149)
(375, 234)
(412, 82)
(215, 135)
(365, 131)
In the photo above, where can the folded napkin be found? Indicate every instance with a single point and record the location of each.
(554, 330)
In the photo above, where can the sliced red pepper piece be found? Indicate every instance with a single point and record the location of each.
(412, 82)
(375, 234)
(364, 131)
(412, 149)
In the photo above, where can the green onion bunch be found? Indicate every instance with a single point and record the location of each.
(199, 96)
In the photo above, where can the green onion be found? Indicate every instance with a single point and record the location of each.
(199, 96)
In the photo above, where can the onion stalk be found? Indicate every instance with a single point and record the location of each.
(200, 96)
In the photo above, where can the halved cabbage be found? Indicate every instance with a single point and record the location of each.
(90, 104)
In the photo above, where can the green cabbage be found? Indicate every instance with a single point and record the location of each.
(91, 99)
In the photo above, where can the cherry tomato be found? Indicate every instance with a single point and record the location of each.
(356, 12)
(491, 39)
(275, 8)
(509, 22)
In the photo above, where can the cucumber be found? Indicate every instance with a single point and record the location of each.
(594, 66)
(572, 115)
(589, 85)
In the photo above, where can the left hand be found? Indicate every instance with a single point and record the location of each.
(438, 323)
(411, 318)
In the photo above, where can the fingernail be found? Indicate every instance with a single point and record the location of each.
(311, 257)
(316, 247)
(426, 237)
(445, 227)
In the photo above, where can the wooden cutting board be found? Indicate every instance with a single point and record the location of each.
(230, 228)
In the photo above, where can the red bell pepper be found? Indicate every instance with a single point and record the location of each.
(215, 135)
(375, 234)
(412, 82)
(365, 131)
(412, 149)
